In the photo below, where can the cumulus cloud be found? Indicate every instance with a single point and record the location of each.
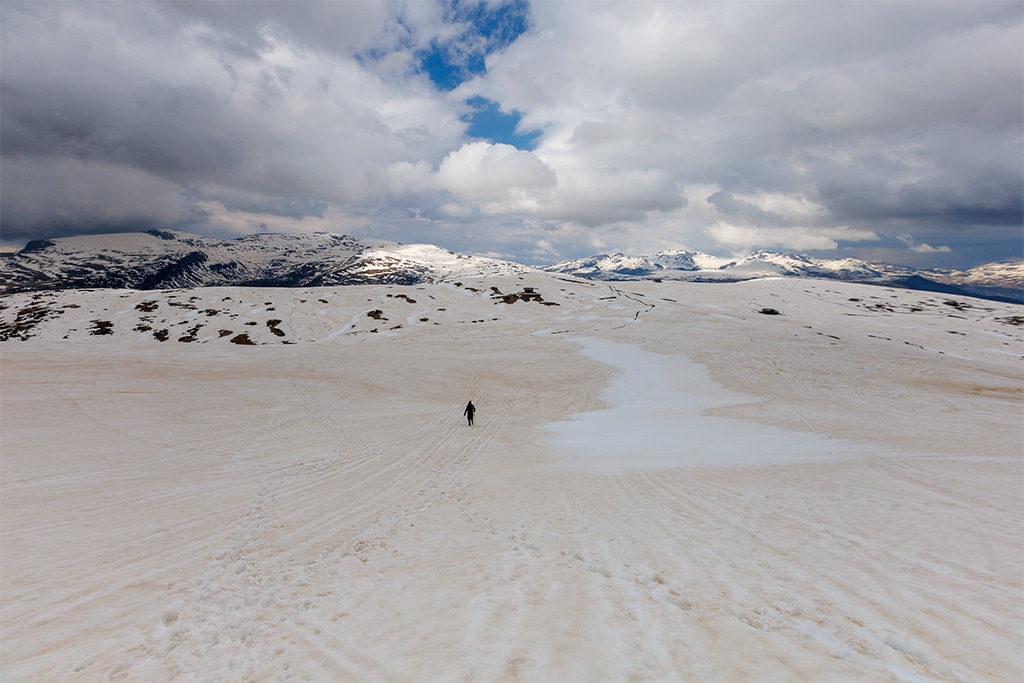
(485, 172)
(718, 126)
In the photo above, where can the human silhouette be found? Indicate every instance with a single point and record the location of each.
(469, 412)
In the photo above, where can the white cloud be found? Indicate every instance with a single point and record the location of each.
(793, 237)
(602, 196)
(486, 172)
(925, 248)
(922, 248)
(238, 222)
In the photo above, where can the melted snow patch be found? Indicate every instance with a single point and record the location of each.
(656, 419)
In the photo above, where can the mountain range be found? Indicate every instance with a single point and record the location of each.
(163, 259)
(1001, 281)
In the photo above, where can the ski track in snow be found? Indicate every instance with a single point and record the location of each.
(320, 511)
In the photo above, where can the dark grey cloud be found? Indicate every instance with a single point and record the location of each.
(60, 197)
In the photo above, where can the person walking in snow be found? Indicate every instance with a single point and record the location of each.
(469, 412)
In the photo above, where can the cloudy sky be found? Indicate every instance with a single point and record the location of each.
(532, 131)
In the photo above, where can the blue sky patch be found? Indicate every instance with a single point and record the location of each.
(487, 122)
(486, 27)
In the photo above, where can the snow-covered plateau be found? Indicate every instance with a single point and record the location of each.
(773, 480)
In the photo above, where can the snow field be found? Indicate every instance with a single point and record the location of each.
(320, 511)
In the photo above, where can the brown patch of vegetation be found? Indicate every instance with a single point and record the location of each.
(161, 335)
(191, 336)
(1015, 320)
(147, 306)
(223, 333)
(273, 325)
(242, 339)
(376, 314)
(102, 327)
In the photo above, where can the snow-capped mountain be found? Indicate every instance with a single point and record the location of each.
(160, 259)
(989, 280)
(1001, 281)
(696, 266)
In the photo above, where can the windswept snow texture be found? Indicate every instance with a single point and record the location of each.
(267, 484)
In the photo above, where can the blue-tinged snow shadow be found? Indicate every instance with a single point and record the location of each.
(656, 420)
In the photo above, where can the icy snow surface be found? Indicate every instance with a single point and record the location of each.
(656, 419)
